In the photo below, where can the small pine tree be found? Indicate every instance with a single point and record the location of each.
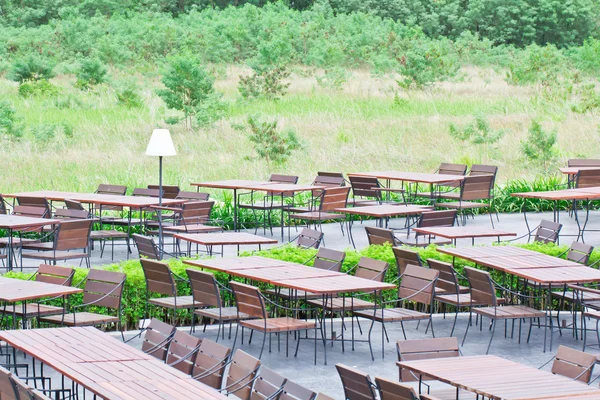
(90, 73)
(540, 145)
(270, 144)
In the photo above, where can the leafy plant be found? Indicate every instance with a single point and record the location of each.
(536, 65)
(31, 69)
(129, 98)
(478, 132)
(540, 145)
(425, 62)
(38, 88)
(270, 144)
(91, 72)
(589, 99)
(44, 132)
(10, 123)
(268, 83)
(333, 78)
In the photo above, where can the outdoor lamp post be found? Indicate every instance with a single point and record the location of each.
(160, 146)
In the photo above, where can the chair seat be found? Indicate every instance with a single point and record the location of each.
(225, 314)
(17, 242)
(38, 245)
(125, 221)
(570, 296)
(343, 304)
(80, 319)
(461, 289)
(33, 310)
(510, 312)
(58, 255)
(192, 228)
(317, 216)
(286, 293)
(436, 195)
(179, 302)
(283, 324)
(298, 209)
(462, 300)
(392, 315)
(108, 234)
(462, 204)
(592, 314)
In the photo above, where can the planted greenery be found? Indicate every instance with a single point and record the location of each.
(91, 72)
(540, 145)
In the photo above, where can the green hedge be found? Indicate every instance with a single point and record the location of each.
(134, 296)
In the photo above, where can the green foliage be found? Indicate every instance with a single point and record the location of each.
(44, 133)
(589, 99)
(425, 62)
(31, 69)
(91, 72)
(189, 88)
(270, 144)
(540, 145)
(333, 78)
(38, 88)
(478, 132)
(586, 57)
(536, 65)
(10, 123)
(268, 83)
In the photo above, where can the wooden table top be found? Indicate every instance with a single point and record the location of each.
(419, 177)
(278, 273)
(574, 170)
(460, 232)
(13, 290)
(582, 396)
(498, 378)
(487, 251)
(19, 222)
(335, 284)
(99, 199)
(106, 366)
(230, 184)
(224, 238)
(231, 264)
(385, 210)
(558, 275)
(563, 194)
(282, 187)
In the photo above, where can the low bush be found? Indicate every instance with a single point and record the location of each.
(91, 72)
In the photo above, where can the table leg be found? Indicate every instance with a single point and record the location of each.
(282, 230)
(235, 210)
(9, 251)
(350, 237)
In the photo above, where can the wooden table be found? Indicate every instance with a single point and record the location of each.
(299, 277)
(463, 232)
(498, 378)
(225, 239)
(138, 202)
(381, 212)
(106, 366)
(530, 265)
(13, 223)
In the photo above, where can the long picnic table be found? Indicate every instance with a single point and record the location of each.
(106, 366)
(529, 265)
(225, 239)
(463, 232)
(500, 379)
(12, 223)
(296, 277)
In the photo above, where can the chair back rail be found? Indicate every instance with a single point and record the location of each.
(583, 162)
(378, 236)
(243, 368)
(68, 213)
(328, 180)
(371, 269)
(206, 364)
(195, 212)
(145, 192)
(118, 190)
(7, 390)
(159, 278)
(363, 186)
(178, 355)
(404, 257)
(196, 196)
(481, 286)
(482, 169)
(580, 252)
(424, 349)
(329, 259)
(573, 364)
(71, 235)
(169, 191)
(102, 283)
(390, 390)
(334, 197)
(442, 218)
(55, 274)
(476, 187)
(418, 284)
(547, 232)
(309, 238)
(447, 280)
(204, 287)
(357, 385)
(452, 169)
(293, 391)
(267, 384)
(34, 206)
(586, 178)
(156, 339)
(249, 300)
(146, 246)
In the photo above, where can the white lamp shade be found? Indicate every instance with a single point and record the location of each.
(160, 144)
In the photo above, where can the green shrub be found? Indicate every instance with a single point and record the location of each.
(270, 144)
(38, 88)
(129, 98)
(589, 99)
(536, 65)
(478, 132)
(10, 123)
(31, 69)
(44, 133)
(425, 62)
(268, 83)
(540, 145)
(91, 72)
(333, 78)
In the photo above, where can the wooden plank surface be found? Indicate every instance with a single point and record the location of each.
(468, 253)
(99, 199)
(230, 184)
(13, 290)
(283, 273)
(419, 177)
(385, 210)
(498, 378)
(461, 232)
(334, 284)
(232, 264)
(20, 222)
(225, 238)
(564, 194)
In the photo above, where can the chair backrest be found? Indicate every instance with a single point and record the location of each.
(7, 391)
(159, 278)
(69, 213)
(333, 197)
(210, 363)
(583, 162)
(442, 218)
(37, 207)
(482, 169)
(580, 252)
(481, 287)
(199, 196)
(369, 268)
(293, 391)
(424, 349)
(74, 205)
(157, 338)
(329, 259)
(405, 257)
(377, 236)
(55, 274)
(182, 351)
(547, 232)
(105, 288)
(357, 386)
(267, 384)
(476, 187)
(204, 287)
(447, 280)
(587, 178)
(243, 369)
(278, 178)
(309, 238)
(418, 284)
(118, 190)
(329, 179)
(3, 209)
(146, 246)
(249, 300)
(144, 192)
(21, 390)
(169, 191)
(391, 390)
(195, 212)
(573, 364)
(452, 169)
(36, 395)
(363, 186)
(71, 235)
(323, 396)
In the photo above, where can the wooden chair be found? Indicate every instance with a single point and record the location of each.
(146, 247)
(380, 236)
(366, 191)
(429, 219)
(292, 391)
(206, 290)
(210, 363)
(194, 196)
(71, 241)
(241, 374)
(102, 289)
(251, 302)
(424, 349)
(330, 199)
(573, 364)
(157, 338)
(476, 191)
(483, 293)
(588, 300)
(331, 179)
(547, 232)
(7, 390)
(586, 178)
(446, 188)
(417, 286)
(182, 351)
(192, 217)
(405, 257)
(268, 385)
(169, 191)
(579, 253)
(357, 386)
(114, 190)
(309, 239)
(390, 390)
(161, 280)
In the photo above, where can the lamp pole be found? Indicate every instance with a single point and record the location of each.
(160, 195)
